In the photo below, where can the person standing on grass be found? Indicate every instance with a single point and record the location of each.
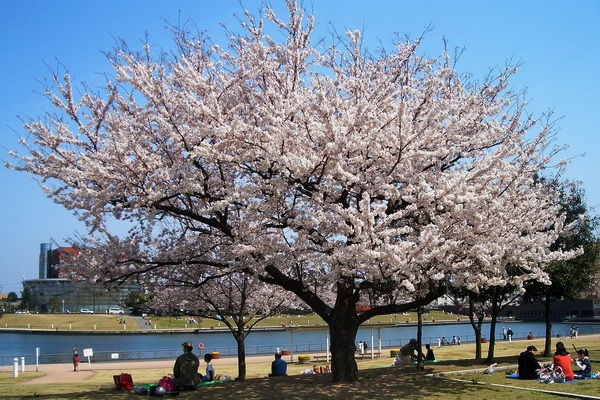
(528, 365)
(75, 361)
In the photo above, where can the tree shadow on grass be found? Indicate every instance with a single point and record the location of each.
(378, 383)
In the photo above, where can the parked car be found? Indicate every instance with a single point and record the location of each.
(117, 311)
(86, 311)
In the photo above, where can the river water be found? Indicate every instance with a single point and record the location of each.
(57, 347)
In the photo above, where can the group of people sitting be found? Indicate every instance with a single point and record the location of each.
(186, 376)
(408, 353)
(530, 368)
(185, 370)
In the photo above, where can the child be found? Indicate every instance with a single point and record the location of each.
(429, 356)
(75, 362)
(210, 372)
(584, 364)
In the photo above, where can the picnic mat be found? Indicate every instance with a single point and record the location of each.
(594, 376)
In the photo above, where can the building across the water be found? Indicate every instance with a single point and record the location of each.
(59, 288)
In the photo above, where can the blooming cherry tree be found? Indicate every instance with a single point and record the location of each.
(336, 174)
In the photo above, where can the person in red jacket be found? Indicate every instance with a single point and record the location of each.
(562, 359)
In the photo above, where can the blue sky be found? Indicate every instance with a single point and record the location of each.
(557, 41)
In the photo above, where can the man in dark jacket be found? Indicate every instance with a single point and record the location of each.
(185, 370)
(528, 365)
(278, 366)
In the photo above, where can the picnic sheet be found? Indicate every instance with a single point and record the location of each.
(516, 376)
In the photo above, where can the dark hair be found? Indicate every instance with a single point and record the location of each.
(207, 357)
(585, 352)
(561, 350)
(277, 355)
(531, 348)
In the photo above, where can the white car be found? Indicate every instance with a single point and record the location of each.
(86, 311)
(116, 311)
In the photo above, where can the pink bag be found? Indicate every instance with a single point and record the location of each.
(167, 382)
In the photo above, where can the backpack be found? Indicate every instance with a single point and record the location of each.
(123, 381)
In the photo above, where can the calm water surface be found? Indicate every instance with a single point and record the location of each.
(57, 347)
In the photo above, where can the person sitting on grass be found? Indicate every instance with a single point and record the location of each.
(210, 372)
(185, 370)
(584, 364)
(528, 365)
(429, 356)
(563, 360)
(278, 366)
(406, 353)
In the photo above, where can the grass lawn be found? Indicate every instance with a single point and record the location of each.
(376, 380)
(65, 322)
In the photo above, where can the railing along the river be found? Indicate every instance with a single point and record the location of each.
(297, 348)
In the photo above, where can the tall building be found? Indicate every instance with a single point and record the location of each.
(45, 265)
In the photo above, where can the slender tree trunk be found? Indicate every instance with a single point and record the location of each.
(421, 359)
(476, 328)
(241, 350)
(492, 341)
(548, 342)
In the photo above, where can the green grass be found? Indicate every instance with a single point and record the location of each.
(376, 380)
(63, 322)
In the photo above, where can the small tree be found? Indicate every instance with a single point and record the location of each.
(138, 301)
(476, 306)
(499, 297)
(27, 301)
(237, 300)
(569, 279)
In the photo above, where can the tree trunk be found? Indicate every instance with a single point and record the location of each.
(241, 350)
(342, 330)
(492, 341)
(477, 330)
(421, 359)
(548, 342)
(476, 327)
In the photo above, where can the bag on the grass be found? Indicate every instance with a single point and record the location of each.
(546, 375)
(558, 375)
(123, 381)
(167, 382)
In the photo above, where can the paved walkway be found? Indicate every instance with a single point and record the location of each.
(63, 373)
